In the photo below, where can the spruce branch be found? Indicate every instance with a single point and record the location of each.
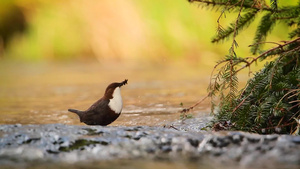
(273, 71)
(264, 43)
(196, 104)
(249, 5)
(241, 103)
(296, 91)
(274, 5)
(231, 79)
(280, 47)
(287, 13)
(295, 33)
(283, 125)
(263, 29)
(234, 43)
(243, 21)
(257, 107)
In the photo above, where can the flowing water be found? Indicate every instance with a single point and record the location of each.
(41, 93)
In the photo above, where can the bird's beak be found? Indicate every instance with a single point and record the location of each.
(123, 83)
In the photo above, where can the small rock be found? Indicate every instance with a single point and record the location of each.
(272, 137)
(219, 141)
(18, 125)
(253, 138)
(236, 138)
(296, 139)
(166, 148)
(165, 141)
(193, 142)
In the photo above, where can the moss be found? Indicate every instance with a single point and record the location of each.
(81, 144)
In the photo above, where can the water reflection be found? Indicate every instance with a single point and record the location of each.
(41, 93)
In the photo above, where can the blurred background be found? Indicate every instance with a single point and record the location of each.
(124, 30)
(59, 54)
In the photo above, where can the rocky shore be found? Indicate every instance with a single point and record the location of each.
(58, 143)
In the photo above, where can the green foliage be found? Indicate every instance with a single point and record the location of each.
(264, 27)
(244, 21)
(274, 5)
(270, 101)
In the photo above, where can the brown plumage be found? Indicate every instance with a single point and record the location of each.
(105, 110)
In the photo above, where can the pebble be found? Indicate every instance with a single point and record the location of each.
(296, 139)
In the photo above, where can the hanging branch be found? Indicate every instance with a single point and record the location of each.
(234, 43)
(243, 21)
(268, 52)
(257, 107)
(214, 87)
(246, 6)
(265, 26)
(196, 104)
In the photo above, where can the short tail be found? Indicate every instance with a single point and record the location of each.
(78, 112)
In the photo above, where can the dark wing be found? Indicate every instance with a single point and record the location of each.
(96, 113)
(101, 103)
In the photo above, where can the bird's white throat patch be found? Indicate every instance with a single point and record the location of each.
(116, 102)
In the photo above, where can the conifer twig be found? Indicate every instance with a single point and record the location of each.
(213, 3)
(264, 42)
(196, 104)
(267, 52)
(287, 124)
(235, 26)
(238, 106)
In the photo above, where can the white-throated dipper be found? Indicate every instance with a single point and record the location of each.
(105, 110)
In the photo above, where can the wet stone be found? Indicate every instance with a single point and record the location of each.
(165, 141)
(271, 137)
(193, 142)
(253, 138)
(139, 135)
(166, 148)
(177, 148)
(296, 139)
(65, 143)
(17, 125)
(220, 141)
(236, 137)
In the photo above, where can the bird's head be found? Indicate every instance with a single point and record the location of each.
(111, 88)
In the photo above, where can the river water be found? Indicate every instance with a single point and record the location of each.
(41, 93)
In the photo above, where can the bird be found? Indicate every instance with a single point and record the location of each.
(106, 110)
